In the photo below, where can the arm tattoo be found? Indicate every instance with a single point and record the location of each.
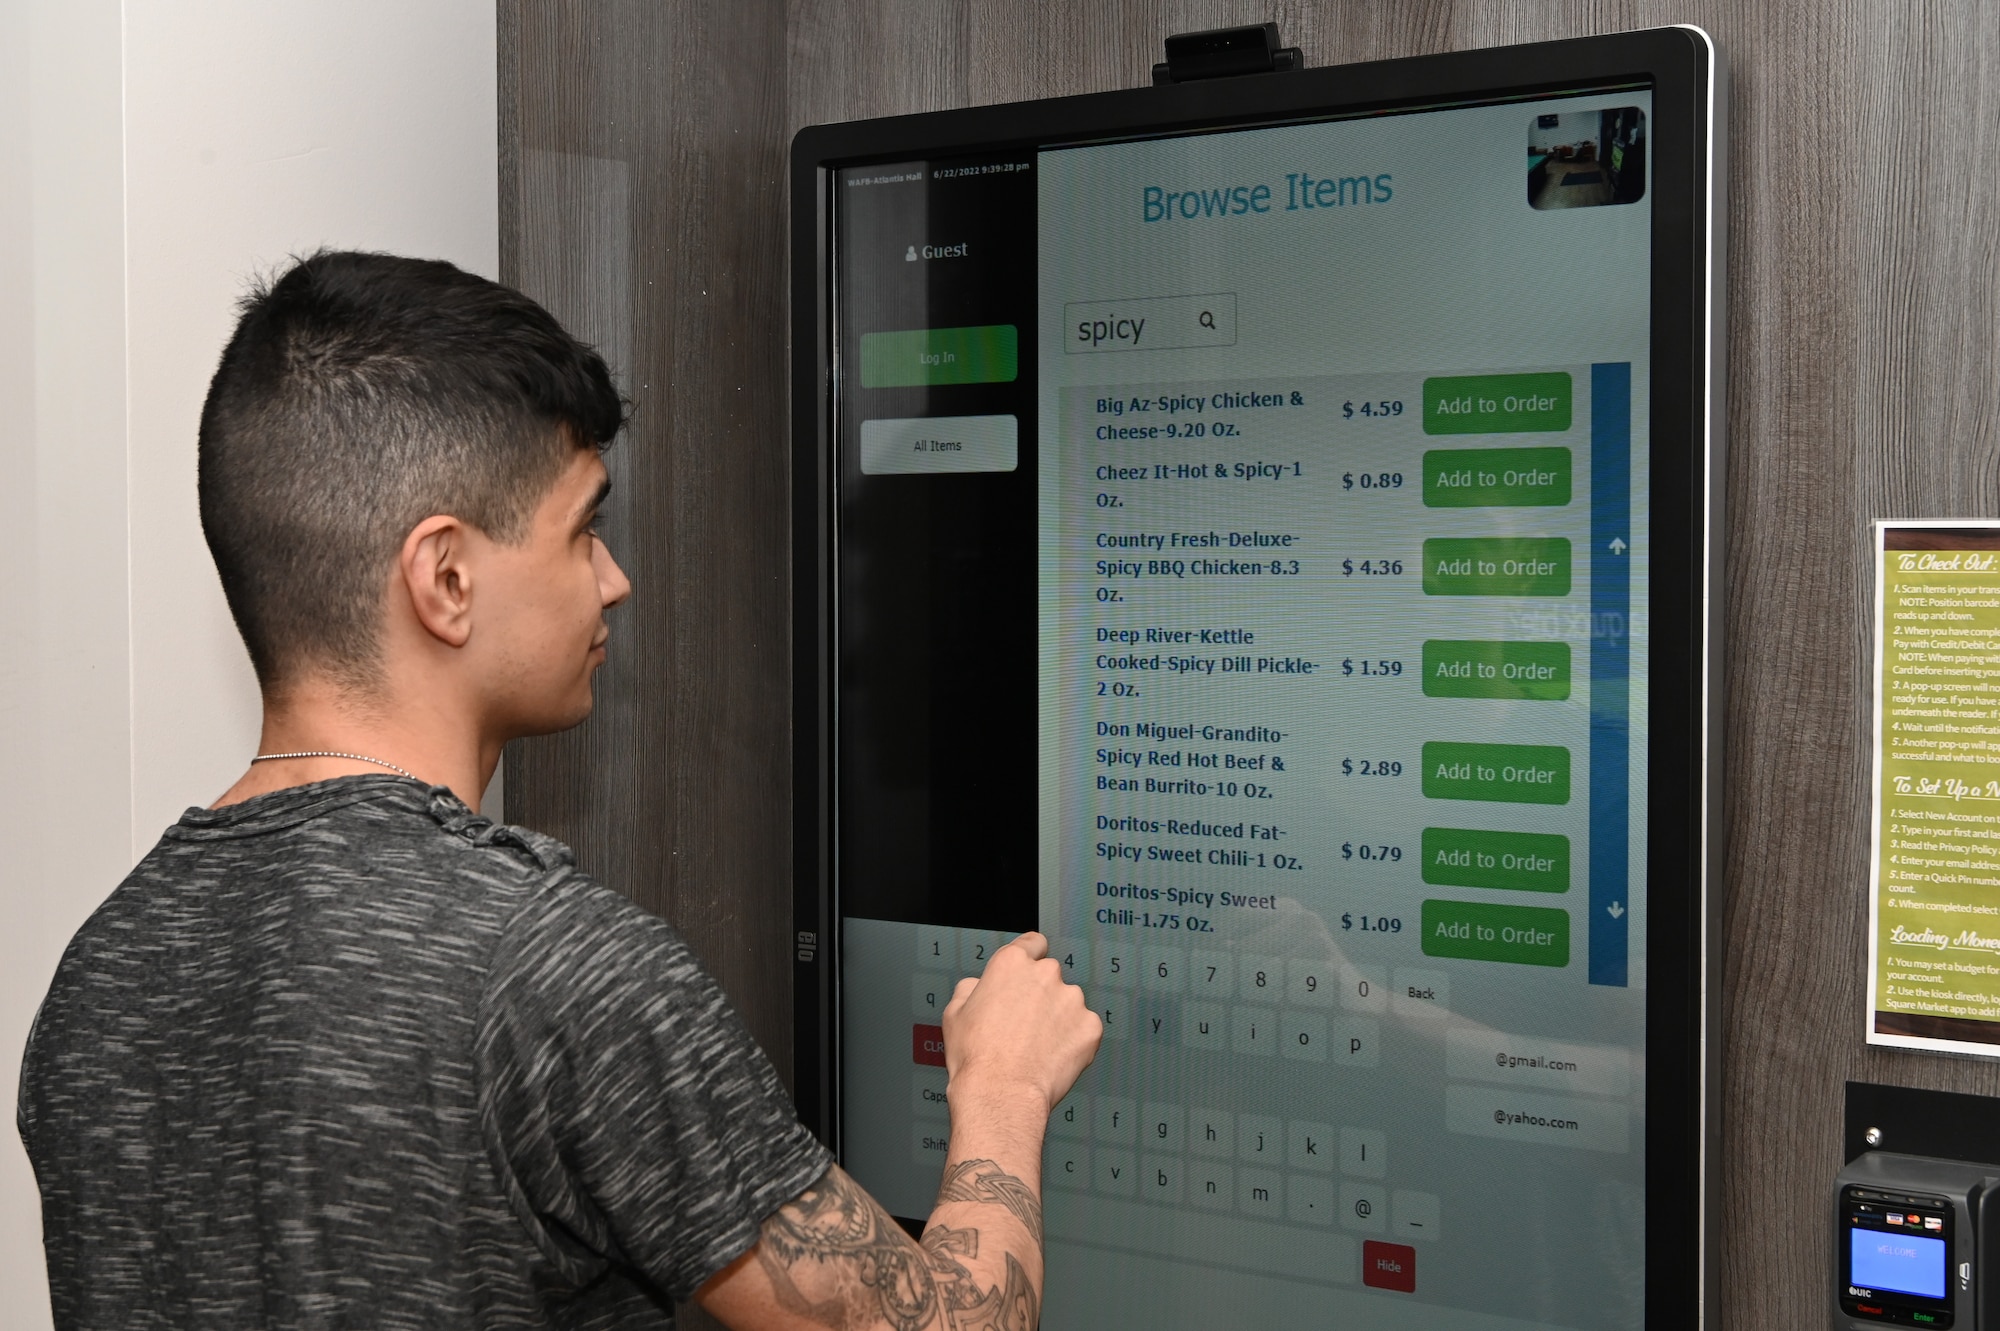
(834, 1234)
(984, 1181)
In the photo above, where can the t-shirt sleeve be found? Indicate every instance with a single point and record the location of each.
(632, 1118)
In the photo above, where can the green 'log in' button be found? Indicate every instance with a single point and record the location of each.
(1516, 861)
(1477, 931)
(1497, 566)
(987, 354)
(1497, 477)
(1507, 773)
(1497, 403)
(1538, 671)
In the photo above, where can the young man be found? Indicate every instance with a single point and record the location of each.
(342, 1053)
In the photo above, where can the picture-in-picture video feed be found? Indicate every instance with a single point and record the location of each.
(1585, 159)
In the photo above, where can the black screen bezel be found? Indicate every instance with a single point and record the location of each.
(1684, 701)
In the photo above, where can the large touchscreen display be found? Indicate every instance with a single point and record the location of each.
(1290, 486)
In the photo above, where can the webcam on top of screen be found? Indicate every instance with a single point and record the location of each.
(1222, 53)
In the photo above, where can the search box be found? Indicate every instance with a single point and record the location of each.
(1150, 323)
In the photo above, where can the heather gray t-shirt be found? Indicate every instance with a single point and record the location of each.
(350, 1055)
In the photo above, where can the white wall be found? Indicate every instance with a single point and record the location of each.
(153, 156)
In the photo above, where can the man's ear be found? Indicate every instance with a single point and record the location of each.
(437, 576)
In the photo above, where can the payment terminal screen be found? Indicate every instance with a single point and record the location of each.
(1896, 1263)
(1243, 580)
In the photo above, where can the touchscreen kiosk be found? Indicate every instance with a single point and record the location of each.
(1258, 533)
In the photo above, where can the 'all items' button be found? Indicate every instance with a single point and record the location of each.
(1389, 1266)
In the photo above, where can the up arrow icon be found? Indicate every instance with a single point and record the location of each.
(1617, 910)
(1617, 545)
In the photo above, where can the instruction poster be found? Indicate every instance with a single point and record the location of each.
(1934, 911)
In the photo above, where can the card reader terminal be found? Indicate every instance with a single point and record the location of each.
(1905, 1245)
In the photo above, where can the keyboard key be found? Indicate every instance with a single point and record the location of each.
(1309, 1200)
(1072, 1116)
(1310, 1145)
(1259, 1140)
(1210, 1186)
(1364, 1206)
(1389, 1266)
(1364, 988)
(1164, 1128)
(1161, 1179)
(1158, 1021)
(1260, 1192)
(1414, 1215)
(1212, 1133)
(927, 1093)
(1116, 1119)
(1114, 1172)
(937, 949)
(930, 991)
(927, 1045)
(1115, 1011)
(1115, 966)
(1310, 983)
(1163, 969)
(1253, 1030)
(1074, 957)
(928, 1144)
(1259, 978)
(1355, 1042)
(1422, 993)
(1203, 1026)
(1364, 1152)
(977, 946)
(1066, 1164)
(1302, 1036)
(1211, 972)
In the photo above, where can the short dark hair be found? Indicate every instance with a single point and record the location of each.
(360, 394)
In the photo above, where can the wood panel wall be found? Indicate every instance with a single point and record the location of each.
(643, 198)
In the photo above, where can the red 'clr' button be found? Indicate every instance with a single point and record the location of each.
(1389, 1266)
(927, 1045)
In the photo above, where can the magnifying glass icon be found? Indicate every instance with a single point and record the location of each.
(1205, 319)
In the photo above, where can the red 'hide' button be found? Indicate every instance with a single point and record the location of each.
(1389, 1266)
(927, 1045)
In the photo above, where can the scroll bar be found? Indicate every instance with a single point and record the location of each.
(1610, 670)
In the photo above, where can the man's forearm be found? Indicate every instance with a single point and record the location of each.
(833, 1257)
(985, 1230)
(1016, 1038)
(985, 1242)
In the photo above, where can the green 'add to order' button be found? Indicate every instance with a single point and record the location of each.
(1504, 773)
(1515, 861)
(1497, 566)
(921, 357)
(1536, 671)
(1497, 403)
(1497, 477)
(1479, 931)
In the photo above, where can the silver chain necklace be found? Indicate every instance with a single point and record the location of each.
(322, 753)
